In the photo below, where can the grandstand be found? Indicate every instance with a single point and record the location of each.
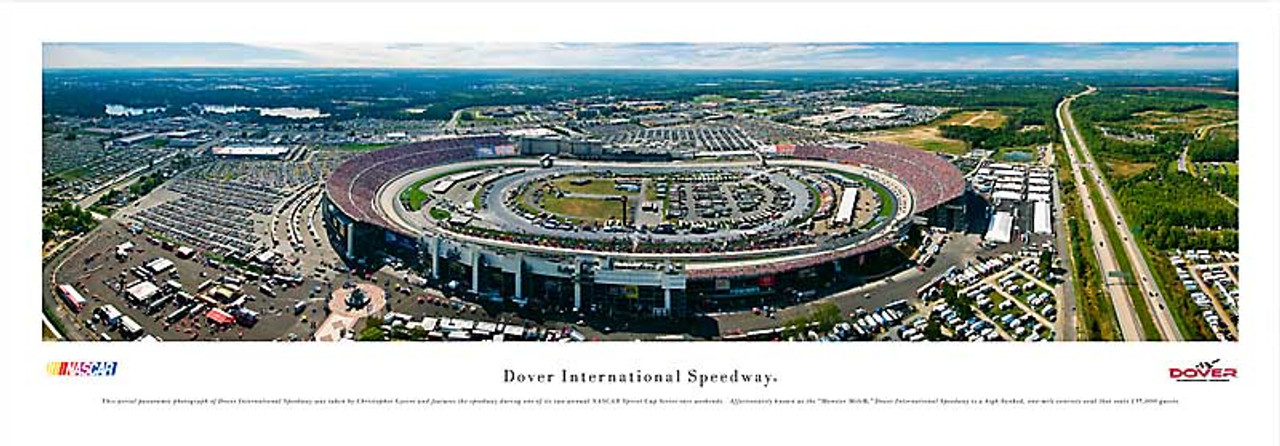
(932, 179)
(354, 184)
(661, 278)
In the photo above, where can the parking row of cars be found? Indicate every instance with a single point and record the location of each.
(461, 329)
(972, 328)
(1221, 284)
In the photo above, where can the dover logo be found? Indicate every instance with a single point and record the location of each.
(82, 368)
(1204, 371)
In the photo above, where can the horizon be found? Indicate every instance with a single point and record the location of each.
(633, 69)
(703, 57)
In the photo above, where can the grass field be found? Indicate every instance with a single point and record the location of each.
(590, 209)
(74, 173)
(595, 187)
(1218, 168)
(413, 196)
(1164, 121)
(1121, 169)
(1230, 131)
(921, 137)
(979, 118)
(706, 98)
(928, 137)
(440, 214)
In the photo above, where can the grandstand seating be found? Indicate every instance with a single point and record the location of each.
(931, 178)
(354, 184)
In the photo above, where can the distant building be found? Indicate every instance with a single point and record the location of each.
(557, 145)
(270, 152)
(132, 140)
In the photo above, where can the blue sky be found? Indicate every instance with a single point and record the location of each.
(849, 56)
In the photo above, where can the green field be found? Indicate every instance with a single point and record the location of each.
(886, 198)
(590, 209)
(440, 214)
(413, 196)
(1120, 169)
(921, 137)
(929, 137)
(597, 186)
(1188, 121)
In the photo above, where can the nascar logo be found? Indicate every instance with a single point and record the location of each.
(81, 368)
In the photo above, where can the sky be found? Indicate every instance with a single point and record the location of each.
(825, 56)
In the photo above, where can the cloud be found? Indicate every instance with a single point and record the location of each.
(655, 55)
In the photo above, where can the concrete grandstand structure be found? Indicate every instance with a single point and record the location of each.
(638, 272)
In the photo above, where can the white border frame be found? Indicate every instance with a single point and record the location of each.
(1240, 412)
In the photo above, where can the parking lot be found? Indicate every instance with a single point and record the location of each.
(103, 277)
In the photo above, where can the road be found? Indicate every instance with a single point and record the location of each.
(1184, 163)
(1065, 330)
(1146, 281)
(1129, 325)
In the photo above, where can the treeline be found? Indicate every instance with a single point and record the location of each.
(1010, 134)
(990, 139)
(1214, 147)
(1113, 105)
(1165, 146)
(66, 218)
(1177, 211)
(981, 96)
(1189, 238)
(1228, 184)
(1114, 109)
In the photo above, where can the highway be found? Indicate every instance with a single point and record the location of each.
(1129, 325)
(1146, 283)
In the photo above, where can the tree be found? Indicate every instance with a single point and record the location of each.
(933, 330)
(372, 333)
(955, 302)
(1046, 262)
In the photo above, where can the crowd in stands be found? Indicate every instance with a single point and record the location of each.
(636, 245)
(354, 184)
(932, 179)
